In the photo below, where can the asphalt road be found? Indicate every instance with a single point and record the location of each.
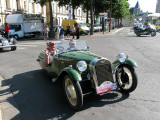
(38, 98)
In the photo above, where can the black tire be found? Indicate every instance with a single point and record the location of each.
(13, 48)
(153, 34)
(138, 34)
(16, 37)
(74, 95)
(123, 78)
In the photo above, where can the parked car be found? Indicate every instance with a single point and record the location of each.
(8, 44)
(84, 73)
(97, 27)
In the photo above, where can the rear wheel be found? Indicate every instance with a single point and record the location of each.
(13, 48)
(153, 34)
(16, 37)
(138, 34)
(73, 92)
(126, 78)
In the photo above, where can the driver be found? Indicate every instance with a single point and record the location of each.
(72, 45)
(49, 53)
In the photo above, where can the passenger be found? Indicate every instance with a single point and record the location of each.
(72, 45)
(50, 53)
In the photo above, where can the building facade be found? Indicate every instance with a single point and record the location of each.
(29, 7)
(19, 6)
(158, 6)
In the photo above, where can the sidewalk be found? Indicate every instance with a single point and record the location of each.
(113, 31)
(8, 106)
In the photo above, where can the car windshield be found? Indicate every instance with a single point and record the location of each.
(67, 46)
(82, 24)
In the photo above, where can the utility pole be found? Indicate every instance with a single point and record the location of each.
(91, 29)
(110, 15)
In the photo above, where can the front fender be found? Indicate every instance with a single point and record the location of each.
(128, 62)
(72, 73)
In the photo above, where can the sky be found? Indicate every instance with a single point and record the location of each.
(145, 5)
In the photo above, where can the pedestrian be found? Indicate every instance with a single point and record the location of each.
(6, 29)
(73, 31)
(46, 30)
(68, 31)
(62, 33)
(57, 32)
(77, 31)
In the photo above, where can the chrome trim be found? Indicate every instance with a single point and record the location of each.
(93, 70)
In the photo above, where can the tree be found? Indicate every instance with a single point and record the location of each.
(73, 3)
(120, 9)
(42, 3)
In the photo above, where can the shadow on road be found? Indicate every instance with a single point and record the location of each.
(39, 99)
(136, 36)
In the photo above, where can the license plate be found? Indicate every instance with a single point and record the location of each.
(106, 87)
(6, 48)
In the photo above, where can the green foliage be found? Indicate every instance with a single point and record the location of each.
(154, 21)
(42, 2)
(73, 3)
(101, 6)
(120, 9)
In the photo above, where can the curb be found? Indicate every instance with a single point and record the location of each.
(8, 106)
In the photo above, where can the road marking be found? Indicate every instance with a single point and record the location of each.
(117, 31)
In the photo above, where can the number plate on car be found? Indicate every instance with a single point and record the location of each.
(106, 87)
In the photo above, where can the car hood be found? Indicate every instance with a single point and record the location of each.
(80, 55)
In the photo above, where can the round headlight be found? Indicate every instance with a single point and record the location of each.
(121, 57)
(82, 66)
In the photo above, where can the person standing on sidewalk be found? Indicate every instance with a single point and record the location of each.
(62, 33)
(77, 31)
(46, 30)
(6, 29)
(73, 31)
(68, 31)
(57, 32)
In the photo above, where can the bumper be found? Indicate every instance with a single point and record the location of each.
(84, 32)
(8, 46)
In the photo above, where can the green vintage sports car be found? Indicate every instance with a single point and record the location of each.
(83, 72)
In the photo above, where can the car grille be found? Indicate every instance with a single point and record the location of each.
(104, 73)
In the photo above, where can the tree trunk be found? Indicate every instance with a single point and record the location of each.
(87, 17)
(73, 16)
(51, 19)
(91, 30)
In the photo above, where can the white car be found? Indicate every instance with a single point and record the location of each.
(8, 44)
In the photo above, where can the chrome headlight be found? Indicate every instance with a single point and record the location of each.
(121, 57)
(82, 66)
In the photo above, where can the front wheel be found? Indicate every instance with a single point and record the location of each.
(126, 78)
(16, 37)
(73, 92)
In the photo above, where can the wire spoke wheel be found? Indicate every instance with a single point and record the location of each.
(73, 92)
(126, 78)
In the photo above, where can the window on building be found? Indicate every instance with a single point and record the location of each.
(8, 4)
(18, 4)
(42, 10)
(25, 7)
(33, 8)
(79, 13)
